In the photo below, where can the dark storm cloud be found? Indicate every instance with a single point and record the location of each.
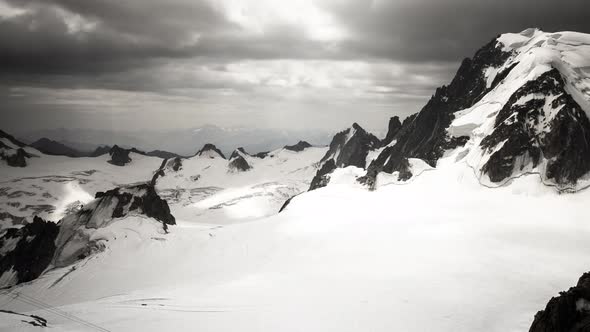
(128, 34)
(384, 57)
(434, 30)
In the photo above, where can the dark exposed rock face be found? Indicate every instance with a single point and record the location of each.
(31, 249)
(322, 177)
(287, 202)
(74, 242)
(17, 159)
(348, 148)
(540, 120)
(262, 155)
(168, 165)
(424, 135)
(300, 146)
(14, 157)
(394, 126)
(54, 148)
(119, 156)
(140, 199)
(239, 164)
(161, 154)
(101, 150)
(236, 153)
(210, 148)
(33, 246)
(569, 312)
(351, 147)
(12, 140)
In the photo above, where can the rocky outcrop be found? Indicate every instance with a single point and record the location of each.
(262, 155)
(12, 151)
(167, 166)
(394, 127)
(424, 135)
(322, 176)
(119, 156)
(75, 242)
(348, 148)
(541, 122)
(137, 199)
(300, 146)
(351, 147)
(211, 151)
(161, 154)
(238, 162)
(568, 312)
(12, 139)
(101, 150)
(16, 158)
(27, 251)
(238, 152)
(54, 148)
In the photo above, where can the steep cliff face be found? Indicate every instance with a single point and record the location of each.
(349, 147)
(519, 106)
(238, 161)
(424, 135)
(568, 312)
(26, 252)
(540, 124)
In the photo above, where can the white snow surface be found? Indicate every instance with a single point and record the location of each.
(440, 254)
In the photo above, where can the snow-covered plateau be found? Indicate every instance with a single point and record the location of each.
(473, 228)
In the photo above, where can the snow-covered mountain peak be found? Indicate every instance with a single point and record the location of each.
(535, 118)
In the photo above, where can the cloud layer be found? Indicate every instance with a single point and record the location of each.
(184, 63)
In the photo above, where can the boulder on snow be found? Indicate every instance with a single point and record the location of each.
(568, 312)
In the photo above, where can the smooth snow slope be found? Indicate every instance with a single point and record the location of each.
(208, 191)
(441, 254)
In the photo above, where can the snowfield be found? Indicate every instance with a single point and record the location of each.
(447, 250)
(441, 254)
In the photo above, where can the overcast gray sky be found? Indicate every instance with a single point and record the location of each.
(141, 64)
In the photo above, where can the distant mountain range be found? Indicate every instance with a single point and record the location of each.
(183, 142)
